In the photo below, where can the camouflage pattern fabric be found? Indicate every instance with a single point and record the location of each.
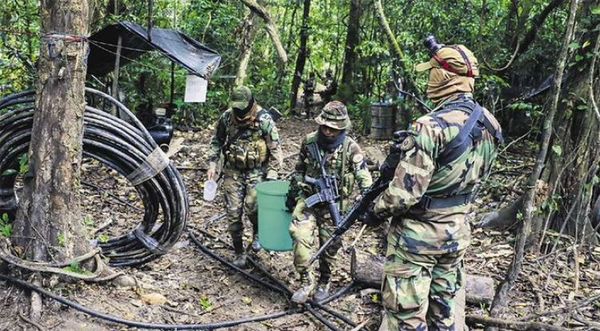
(254, 154)
(306, 220)
(240, 197)
(302, 228)
(418, 290)
(421, 240)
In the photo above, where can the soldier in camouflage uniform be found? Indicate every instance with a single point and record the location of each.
(248, 140)
(431, 194)
(342, 158)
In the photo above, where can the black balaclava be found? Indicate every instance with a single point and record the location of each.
(329, 144)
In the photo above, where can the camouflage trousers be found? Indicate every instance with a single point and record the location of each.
(302, 229)
(418, 291)
(240, 198)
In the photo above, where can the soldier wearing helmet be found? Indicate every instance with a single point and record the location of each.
(446, 154)
(343, 158)
(247, 139)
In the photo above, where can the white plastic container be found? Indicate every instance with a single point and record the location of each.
(210, 190)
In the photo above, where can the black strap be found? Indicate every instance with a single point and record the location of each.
(457, 146)
(428, 202)
(313, 149)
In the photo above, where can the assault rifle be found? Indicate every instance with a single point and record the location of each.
(326, 185)
(386, 174)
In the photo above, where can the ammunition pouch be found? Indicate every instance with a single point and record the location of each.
(247, 155)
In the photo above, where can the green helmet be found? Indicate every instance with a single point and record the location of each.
(334, 115)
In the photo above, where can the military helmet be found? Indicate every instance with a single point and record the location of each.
(457, 59)
(334, 115)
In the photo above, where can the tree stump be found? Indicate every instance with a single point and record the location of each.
(367, 270)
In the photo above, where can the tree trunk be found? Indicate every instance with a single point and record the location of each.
(302, 54)
(405, 71)
(500, 300)
(49, 224)
(248, 31)
(571, 170)
(348, 86)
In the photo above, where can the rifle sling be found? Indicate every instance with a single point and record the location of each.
(341, 186)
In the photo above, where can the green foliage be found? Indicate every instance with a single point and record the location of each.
(23, 164)
(19, 45)
(6, 227)
(486, 27)
(205, 303)
(556, 149)
(551, 204)
(88, 221)
(360, 113)
(76, 268)
(9, 172)
(61, 240)
(103, 238)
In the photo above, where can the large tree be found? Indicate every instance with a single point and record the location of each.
(49, 223)
(302, 54)
(351, 56)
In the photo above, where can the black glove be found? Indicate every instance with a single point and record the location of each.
(370, 218)
(290, 202)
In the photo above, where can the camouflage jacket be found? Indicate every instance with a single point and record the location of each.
(261, 132)
(354, 170)
(419, 174)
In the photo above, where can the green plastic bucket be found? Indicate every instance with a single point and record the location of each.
(273, 217)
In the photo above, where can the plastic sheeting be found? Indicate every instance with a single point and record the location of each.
(181, 49)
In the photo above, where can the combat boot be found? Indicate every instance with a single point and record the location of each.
(307, 286)
(240, 256)
(322, 291)
(256, 246)
(240, 261)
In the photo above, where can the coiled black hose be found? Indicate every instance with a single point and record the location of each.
(120, 145)
(123, 146)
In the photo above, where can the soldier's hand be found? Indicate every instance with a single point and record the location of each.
(370, 218)
(211, 173)
(271, 175)
(290, 202)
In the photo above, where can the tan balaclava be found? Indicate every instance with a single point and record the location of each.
(452, 71)
(243, 105)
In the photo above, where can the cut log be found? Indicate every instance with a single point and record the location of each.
(367, 270)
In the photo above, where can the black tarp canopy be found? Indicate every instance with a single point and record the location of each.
(181, 49)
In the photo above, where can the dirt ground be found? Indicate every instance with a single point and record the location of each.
(190, 287)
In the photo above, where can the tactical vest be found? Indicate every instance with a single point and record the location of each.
(468, 136)
(337, 164)
(245, 148)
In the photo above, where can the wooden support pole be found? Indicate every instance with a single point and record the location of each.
(115, 82)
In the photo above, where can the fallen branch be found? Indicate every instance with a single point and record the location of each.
(37, 325)
(565, 309)
(511, 324)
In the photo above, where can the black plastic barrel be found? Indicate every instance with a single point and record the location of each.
(383, 120)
